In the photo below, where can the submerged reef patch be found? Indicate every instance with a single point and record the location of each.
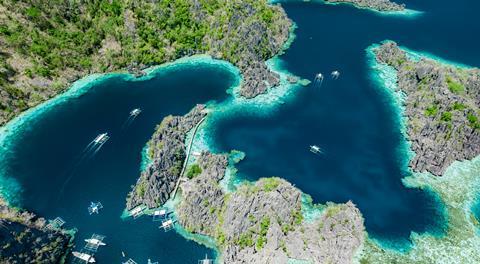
(457, 188)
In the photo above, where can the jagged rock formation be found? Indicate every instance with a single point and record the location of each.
(442, 108)
(379, 5)
(24, 238)
(167, 154)
(45, 46)
(263, 222)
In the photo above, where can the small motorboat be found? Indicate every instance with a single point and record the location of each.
(102, 138)
(135, 112)
(315, 149)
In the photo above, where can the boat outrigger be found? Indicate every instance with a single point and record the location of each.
(315, 149)
(135, 112)
(84, 256)
(167, 225)
(95, 241)
(206, 260)
(94, 207)
(102, 138)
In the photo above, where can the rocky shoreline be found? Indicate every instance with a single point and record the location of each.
(25, 238)
(167, 154)
(442, 108)
(378, 5)
(246, 38)
(259, 222)
(262, 222)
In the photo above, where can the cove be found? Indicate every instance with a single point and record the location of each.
(352, 119)
(42, 155)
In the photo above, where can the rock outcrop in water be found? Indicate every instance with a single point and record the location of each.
(24, 238)
(167, 154)
(442, 108)
(263, 222)
(379, 5)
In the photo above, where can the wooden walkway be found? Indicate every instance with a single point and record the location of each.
(188, 155)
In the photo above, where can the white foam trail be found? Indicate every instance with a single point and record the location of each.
(128, 122)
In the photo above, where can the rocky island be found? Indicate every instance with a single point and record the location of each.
(444, 144)
(378, 5)
(46, 46)
(167, 152)
(260, 222)
(441, 106)
(25, 238)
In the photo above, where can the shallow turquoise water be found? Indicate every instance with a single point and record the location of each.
(351, 119)
(45, 159)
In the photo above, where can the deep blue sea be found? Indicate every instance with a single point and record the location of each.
(351, 119)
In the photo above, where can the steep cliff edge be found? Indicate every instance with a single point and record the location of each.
(167, 154)
(262, 222)
(441, 105)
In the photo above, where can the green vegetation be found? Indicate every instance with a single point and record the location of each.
(140, 188)
(446, 116)
(262, 236)
(57, 41)
(245, 240)
(270, 184)
(193, 170)
(473, 120)
(455, 87)
(458, 106)
(431, 110)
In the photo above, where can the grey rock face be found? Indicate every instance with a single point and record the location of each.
(379, 5)
(255, 41)
(263, 223)
(441, 106)
(167, 153)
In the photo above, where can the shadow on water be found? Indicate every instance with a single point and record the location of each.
(351, 119)
(60, 178)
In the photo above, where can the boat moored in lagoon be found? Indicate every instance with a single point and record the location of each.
(95, 241)
(84, 256)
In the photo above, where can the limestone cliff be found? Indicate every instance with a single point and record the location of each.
(262, 222)
(167, 154)
(441, 106)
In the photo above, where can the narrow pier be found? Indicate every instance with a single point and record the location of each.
(188, 155)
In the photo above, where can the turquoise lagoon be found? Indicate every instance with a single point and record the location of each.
(353, 119)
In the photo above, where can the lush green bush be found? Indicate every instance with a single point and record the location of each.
(455, 87)
(193, 170)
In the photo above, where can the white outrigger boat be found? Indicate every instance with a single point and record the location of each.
(135, 112)
(84, 256)
(315, 149)
(95, 241)
(102, 138)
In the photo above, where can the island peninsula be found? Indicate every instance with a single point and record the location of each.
(266, 220)
(46, 46)
(377, 5)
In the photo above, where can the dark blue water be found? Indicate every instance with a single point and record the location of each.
(47, 155)
(351, 119)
